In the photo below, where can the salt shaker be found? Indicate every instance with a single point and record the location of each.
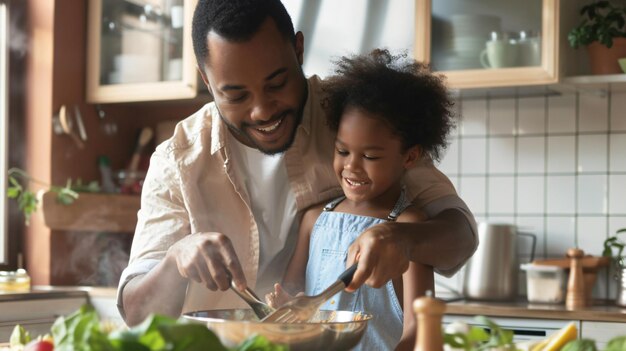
(429, 312)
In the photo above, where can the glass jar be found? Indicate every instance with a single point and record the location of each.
(14, 281)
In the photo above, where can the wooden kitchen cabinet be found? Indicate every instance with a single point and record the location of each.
(491, 43)
(140, 50)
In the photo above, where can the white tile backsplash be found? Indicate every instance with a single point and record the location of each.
(615, 224)
(530, 194)
(561, 194)
(531, 154)
(474, 117)
(618, 116)
(592, 153)
(473, 191)
(473, 153)
(501, 198)
(561, 154)
(591, 234)
(502, 155)
(502, 117)
(617, 159)
(593, 115)
(532, 115)
(556, 165)
(560, 235)
(617, 196)
(592, 194)
(534, 226)
(562, 114)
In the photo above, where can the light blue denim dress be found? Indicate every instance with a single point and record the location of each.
(331, 237)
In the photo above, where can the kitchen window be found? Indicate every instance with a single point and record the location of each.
(4, 127)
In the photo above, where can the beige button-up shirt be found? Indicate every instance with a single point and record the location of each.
(191, 188)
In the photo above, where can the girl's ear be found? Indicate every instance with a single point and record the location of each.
(413, 154)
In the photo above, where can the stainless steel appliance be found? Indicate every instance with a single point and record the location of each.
(492, 273)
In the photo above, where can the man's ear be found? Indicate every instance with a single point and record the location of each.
(299, 45)
(413, 154)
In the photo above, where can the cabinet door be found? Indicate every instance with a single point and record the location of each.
(140, 50)
(602, 332)
(489, 43)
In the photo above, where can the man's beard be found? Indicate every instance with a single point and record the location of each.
(241, 132)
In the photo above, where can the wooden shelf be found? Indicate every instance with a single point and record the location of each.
(588, 262)
(92, 212)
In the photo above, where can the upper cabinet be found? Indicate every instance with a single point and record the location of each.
(140, 50)
(490, 43)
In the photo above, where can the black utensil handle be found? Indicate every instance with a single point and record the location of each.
(346, 277)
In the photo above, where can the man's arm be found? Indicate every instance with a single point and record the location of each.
(445, 241)
(161, 290)
(207, 258)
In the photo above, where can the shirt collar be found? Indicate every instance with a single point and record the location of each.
(217, 129)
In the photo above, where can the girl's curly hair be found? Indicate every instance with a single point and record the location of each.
(401, 91)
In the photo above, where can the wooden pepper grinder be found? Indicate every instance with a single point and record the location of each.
(429, 312)
(576, 284)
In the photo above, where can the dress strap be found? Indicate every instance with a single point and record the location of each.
(399, 207)
(331, 205)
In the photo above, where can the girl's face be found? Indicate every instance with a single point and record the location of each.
(369, 159)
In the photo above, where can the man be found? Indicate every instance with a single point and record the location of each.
(222, 197)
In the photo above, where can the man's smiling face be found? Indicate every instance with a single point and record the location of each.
(258, 86)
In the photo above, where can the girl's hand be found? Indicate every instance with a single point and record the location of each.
(279, 297)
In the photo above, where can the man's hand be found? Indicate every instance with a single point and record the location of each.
(208, 258)
(382, 253)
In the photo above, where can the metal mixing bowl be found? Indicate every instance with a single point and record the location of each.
(338, 330)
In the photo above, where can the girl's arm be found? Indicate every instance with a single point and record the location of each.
(418, 279)
(294, 278)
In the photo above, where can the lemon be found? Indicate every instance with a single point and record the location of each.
(540, 345)
(562, 337)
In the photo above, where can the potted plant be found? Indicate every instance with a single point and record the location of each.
(614, 243)
(603, 32)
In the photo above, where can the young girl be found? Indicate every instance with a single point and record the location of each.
(389, 113)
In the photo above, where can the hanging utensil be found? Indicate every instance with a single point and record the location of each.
(79, 123)
(67, 126)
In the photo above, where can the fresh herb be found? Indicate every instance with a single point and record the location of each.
(83, 331)
(19, 336)
(614, 242)
(602, 21)
(478, 339)
(28, 201)
(467, 341)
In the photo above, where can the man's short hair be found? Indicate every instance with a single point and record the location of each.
(235, 20)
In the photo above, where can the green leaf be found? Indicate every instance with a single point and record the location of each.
(580, 345)
(13, 192)
(191, 337)
(616, 344)
(80, 331)
(19, 337)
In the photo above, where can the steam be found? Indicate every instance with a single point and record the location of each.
(96, 259)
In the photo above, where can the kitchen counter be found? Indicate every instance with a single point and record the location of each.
(602, 311)
(38, 308)
(39, 292)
